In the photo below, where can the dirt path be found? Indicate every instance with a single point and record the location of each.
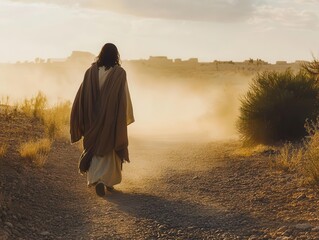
(171, 190)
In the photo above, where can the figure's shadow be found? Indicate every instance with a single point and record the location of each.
(173, 213)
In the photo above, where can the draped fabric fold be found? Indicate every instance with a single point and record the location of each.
(100, 115)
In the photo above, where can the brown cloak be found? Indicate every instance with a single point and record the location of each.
(100, 116)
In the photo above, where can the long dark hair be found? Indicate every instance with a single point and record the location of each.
(109, 56)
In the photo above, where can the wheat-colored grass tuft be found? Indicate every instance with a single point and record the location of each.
(56, 120)
(289, 157)
(36, 151)
(35, 106)
(312, 152)
(253, 150)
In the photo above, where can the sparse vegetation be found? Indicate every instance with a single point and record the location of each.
(55, 119)
(303, 157)
(289, 157)
(312, 151)
(35, 106)
(255, 150)
(5, 105)
(276, 106)
(6, 110)
(36, 151)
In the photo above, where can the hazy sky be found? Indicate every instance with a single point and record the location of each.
(207, 29)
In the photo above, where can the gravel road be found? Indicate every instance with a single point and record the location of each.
(170, 190)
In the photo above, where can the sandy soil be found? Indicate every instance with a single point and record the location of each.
(171, 190)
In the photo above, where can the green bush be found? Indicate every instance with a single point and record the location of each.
(276, 107)
(312, 68)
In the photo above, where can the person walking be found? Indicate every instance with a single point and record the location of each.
(101, 111)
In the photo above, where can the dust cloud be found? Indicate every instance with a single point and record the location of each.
(187, 108)
(58, 82)
(174, 104)
(175, 117)
(172, 108)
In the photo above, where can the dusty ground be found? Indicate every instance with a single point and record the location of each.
(170, 190)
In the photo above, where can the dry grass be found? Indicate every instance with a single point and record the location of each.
(55, 119)
(254, 150)
(312, 151)
(6, 109)
(5, 105)
(35, 106)
(56, 124)
(304, 158)
(289, 157)
(36, 151)
(3, 149)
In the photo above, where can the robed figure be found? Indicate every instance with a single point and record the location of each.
(101, 112)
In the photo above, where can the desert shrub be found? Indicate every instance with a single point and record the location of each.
(312, 68)
(35, 106)
(36, 151)
(312, 150)
(276, 106)
(56, 120)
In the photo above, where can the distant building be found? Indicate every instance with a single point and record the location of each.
(281, 62)
(80, 56)
(159, 59)
(193, 60)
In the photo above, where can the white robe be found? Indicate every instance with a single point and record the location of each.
(107, 169)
